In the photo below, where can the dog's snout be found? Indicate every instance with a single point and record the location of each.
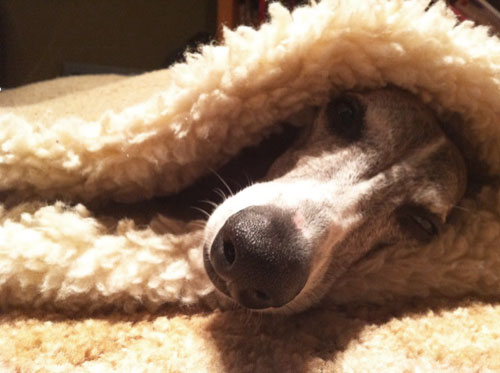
(261, 257)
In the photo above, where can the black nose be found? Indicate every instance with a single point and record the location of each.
(261, 256)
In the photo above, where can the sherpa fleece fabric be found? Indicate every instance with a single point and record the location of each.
(84, 292)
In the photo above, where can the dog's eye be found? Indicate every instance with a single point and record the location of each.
(345, 117)
(418, 222)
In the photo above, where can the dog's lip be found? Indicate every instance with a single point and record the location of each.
(219, 283)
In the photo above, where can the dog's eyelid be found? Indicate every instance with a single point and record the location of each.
(438, 219)
(419, 222)
(346, 117)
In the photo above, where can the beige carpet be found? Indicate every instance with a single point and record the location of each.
(437, 338)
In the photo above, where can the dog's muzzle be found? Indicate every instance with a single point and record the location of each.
(259, 258)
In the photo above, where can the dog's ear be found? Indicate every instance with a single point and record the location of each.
(478, 172)
(304, 121)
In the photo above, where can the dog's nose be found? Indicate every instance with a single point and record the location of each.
(261, 256)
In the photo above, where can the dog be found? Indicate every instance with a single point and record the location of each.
(371, 169)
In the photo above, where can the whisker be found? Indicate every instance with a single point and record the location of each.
(249, 180)
(220, 193)
(223, 182)
(201, 210)
(211, 203)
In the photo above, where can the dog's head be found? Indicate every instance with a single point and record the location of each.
(372, 169)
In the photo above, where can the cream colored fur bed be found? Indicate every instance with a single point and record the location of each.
(81, 293)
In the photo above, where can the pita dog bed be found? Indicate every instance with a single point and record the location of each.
(85, 292)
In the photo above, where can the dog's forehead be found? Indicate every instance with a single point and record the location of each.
(409, 131)
(401, 144)
(399, 117)
(401, 139)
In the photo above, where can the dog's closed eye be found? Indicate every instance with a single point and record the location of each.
(345, 117)
(418, 222)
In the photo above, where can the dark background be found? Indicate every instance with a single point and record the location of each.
(43, 39)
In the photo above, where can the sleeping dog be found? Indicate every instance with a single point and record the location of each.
(371, 169)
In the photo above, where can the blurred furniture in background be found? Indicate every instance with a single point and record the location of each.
(485, 12)
(232, 13)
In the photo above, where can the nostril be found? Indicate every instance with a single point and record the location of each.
(224, 255)
(229, 252)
